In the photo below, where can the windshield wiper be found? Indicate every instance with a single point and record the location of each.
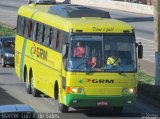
(84, 63)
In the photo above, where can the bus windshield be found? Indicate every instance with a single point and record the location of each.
(104, 53)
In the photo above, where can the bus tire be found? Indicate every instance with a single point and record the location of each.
(117, 109)
(35, 92)
(63, 108)
(28, 85)
(3, 62)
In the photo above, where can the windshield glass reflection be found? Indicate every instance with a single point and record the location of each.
(102, 53)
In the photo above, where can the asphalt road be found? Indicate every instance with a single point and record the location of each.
(12, 90)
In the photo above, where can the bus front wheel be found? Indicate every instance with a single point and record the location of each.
(35, 92)
(63, 108)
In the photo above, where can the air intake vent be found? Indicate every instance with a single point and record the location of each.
(77, 11)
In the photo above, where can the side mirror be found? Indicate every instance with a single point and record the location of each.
(140, 50)
(65, 50)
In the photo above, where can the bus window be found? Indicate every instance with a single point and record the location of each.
(19, 24)
(35, 32)
(119, 53)
(85, 48)
(50, 37)
(64, 38)
(53, 38)
(40, 35)
(32, 30)
(46, 36)
(58, 40)
(27, 28)
(42, 32)
(21, 30)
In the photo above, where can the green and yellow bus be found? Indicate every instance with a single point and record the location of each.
(46, 57)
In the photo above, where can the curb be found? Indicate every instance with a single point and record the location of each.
(117, 5)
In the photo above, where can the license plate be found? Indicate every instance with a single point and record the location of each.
(102, 103)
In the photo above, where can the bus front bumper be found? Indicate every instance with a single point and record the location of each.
(75, 100)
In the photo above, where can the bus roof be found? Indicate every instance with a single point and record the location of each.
(76, 17)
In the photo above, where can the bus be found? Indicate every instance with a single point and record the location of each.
(47, 61)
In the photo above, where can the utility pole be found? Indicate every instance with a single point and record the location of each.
(157, 40)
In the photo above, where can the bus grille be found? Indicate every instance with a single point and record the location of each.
(103, 91)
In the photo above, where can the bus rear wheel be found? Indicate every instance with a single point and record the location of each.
(28, 85)
(35, 92)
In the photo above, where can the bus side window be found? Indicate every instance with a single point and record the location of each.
(27, 28)
(46, 36)
(35, 32)
(19, 25)
(40, 35)
(64, 38)
(58, 40)
(42, 32)
(52, 38)
(32, 30)
(22, 21)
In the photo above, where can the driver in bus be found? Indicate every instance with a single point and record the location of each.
(113, 59)
(79, 51)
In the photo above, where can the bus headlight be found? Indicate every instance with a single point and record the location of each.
(131, 90)
(127, 91)
(74, 90)
(80, 90)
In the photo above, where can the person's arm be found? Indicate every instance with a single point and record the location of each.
(93, 66)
